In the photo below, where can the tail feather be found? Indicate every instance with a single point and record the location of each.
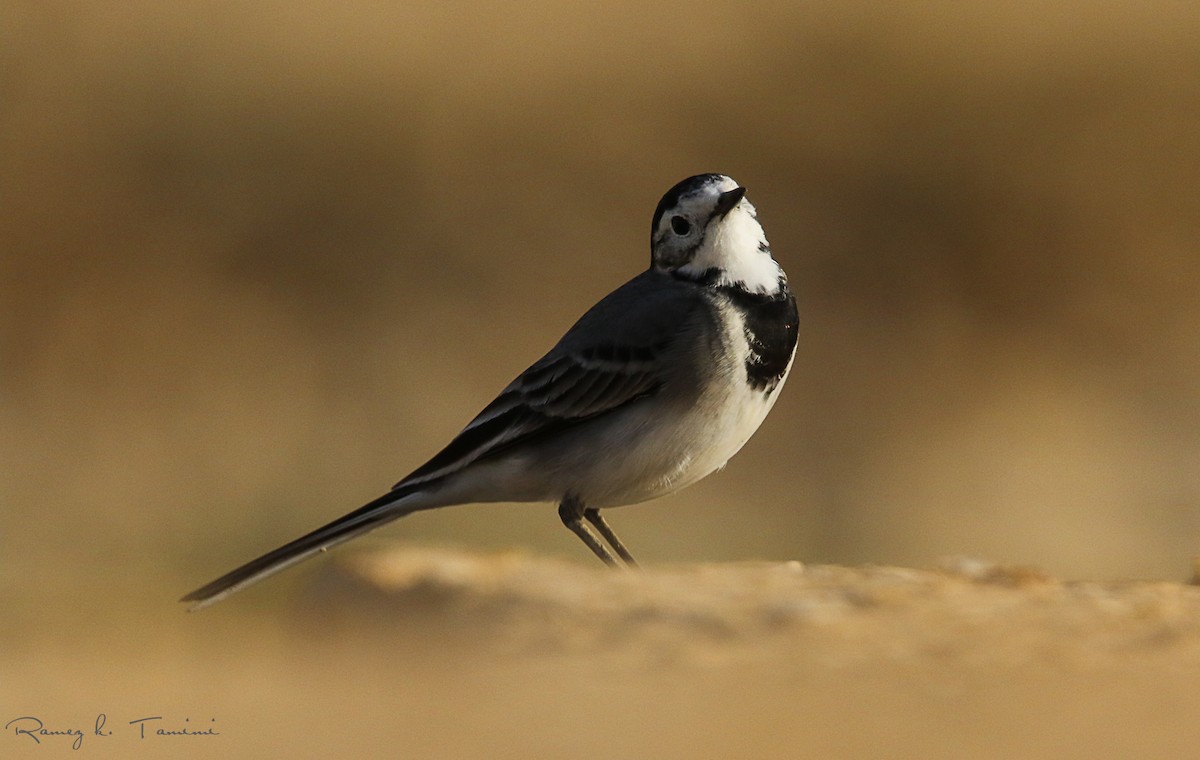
(383, 510)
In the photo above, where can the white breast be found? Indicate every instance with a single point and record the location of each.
(731, 409)
(665, 449)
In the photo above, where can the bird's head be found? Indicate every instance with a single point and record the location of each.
(705, 230)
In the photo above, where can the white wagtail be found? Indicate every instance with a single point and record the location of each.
(655, 387)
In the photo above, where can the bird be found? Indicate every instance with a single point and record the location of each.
(652, 389)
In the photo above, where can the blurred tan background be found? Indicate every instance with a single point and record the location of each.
(258, 261)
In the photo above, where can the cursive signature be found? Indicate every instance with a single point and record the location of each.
(36, 729)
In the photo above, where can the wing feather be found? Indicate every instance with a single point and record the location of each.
(620, 351)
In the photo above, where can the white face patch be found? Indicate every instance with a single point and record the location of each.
(694, 240)
(736, 246)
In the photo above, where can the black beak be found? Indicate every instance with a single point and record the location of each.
(727, 200)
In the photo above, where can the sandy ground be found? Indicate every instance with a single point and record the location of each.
(444, 654)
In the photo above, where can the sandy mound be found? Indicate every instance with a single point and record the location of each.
(967, 611)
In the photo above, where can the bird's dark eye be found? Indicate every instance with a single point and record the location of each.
(680, 225)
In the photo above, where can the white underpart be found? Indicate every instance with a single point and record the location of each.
(651, 450)
(734, 246)
(686, 448)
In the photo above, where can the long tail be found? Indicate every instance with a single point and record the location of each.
(383, 510)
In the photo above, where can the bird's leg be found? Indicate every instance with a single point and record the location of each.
(593, 516)
(571, 512)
